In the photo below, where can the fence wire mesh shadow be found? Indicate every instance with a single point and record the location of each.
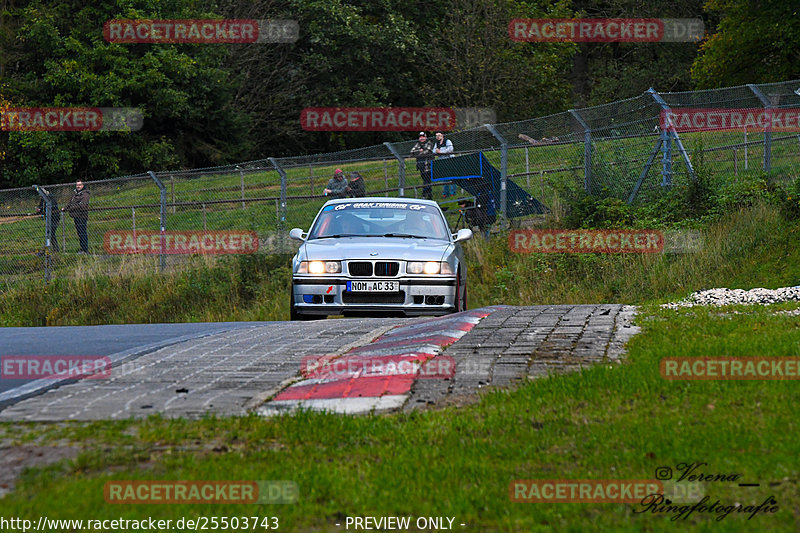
(625, 149)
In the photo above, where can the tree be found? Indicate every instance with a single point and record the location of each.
(472, 61)
(62, 60)
(755, 42)
(603, 72)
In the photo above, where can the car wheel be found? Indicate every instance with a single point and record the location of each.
(461, 296)
(293, 314)
(464, 297)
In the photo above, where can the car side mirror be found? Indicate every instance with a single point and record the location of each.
(297, 234)
(463, 235)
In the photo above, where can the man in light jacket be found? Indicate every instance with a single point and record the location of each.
(444, 146)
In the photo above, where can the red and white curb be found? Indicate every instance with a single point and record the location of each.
(357, 381)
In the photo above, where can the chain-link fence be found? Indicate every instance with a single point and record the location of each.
(634, 149)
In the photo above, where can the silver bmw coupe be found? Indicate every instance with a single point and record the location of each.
(378, 256)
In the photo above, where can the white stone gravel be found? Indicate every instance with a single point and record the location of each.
(724, 296)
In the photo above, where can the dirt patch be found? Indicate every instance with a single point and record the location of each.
(13, 460)
(9, 220)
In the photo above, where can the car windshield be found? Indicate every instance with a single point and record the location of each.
(379, 219)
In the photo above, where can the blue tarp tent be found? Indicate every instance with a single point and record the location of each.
(477, 176)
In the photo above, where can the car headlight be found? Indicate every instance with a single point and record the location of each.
(429, 267)
(319, 267)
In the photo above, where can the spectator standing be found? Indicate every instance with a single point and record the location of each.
(423, 151)
(78, 209)
(441, 147)
(357, 187)
(55, 218)
(337, 185)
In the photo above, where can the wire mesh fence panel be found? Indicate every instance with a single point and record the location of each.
(23, 252)
(637, 149)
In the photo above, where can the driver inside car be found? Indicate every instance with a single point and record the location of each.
(350, 226)
(415, 224)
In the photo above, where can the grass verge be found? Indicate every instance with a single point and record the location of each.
(749, 247)
(606, 422)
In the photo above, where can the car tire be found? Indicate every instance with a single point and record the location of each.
(461, 296)
(293, 314)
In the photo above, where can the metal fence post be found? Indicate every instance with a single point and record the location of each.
(282, 218)
(172, 191)
(48, 214)
(587, 151)
(401, 168)
(503, 168)
(672, 135)
(163, 219)
(241, 180)
(768, 127)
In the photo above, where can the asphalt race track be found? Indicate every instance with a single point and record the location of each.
(234, 368)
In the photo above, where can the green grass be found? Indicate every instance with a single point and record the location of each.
(750, 247)
(607, 422)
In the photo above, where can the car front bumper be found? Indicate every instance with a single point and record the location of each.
(418, 296)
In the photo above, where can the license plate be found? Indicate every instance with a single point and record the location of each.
(373, 286)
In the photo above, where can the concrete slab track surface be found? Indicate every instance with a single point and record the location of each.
(345, 365)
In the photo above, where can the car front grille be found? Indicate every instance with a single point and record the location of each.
(380, 268)
(387, 268)
(374, 297)
(360, 268)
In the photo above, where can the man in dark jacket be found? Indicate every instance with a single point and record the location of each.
(423, 151)
(357, 187)
(55, 218)
(78, 209)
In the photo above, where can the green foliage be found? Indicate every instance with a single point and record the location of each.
(595, 212)
(699, 192)
(62, 59)
(755, 42)
(790, 199)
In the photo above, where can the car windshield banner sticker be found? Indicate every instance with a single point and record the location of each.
(380, 205)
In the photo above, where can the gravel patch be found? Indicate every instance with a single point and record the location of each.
(718, 297)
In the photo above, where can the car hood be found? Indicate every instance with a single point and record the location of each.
(346, 248)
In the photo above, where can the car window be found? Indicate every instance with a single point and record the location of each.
(380, 218)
